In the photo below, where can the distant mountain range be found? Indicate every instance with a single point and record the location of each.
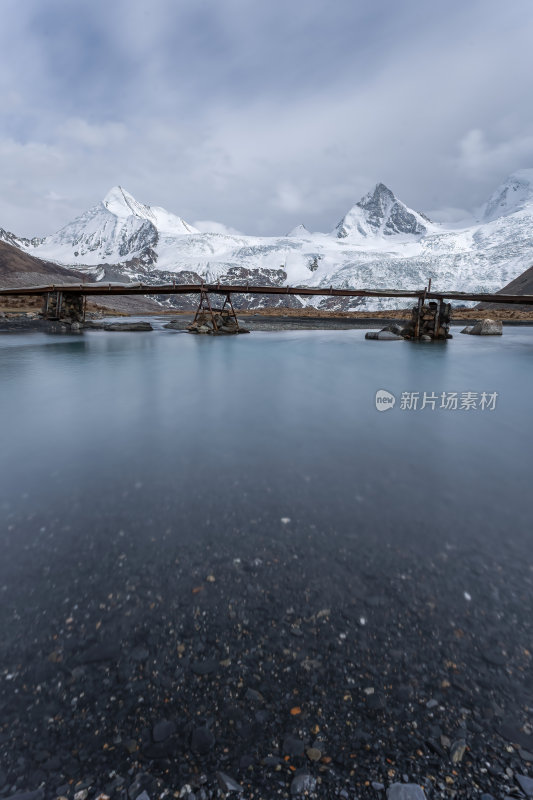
(379, 243)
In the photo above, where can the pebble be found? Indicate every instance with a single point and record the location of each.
(202, 740)
(227, 784)
(495, 657)
(254, 696)
(405, 791)
(204, 667)
(105, 651)
(313, 754)
(457, 751)
(163, 730)
(526, 784)
(302, 783)
(292, 746)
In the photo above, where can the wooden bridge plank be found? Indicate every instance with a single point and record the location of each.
(95, 289)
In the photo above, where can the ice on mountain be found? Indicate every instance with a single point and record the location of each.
(299, 232)
(380, 243)
(514, 193)
(380, 213)
(122, 204)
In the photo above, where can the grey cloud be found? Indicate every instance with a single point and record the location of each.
(259, 116)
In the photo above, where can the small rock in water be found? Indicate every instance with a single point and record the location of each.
(204, 667)
(128, 326)
(202, 740)
(292, 746)
(162, 730)
(313, 754)
(303, 783)
(495, 657)
(405, 791)
(526, 784)
(457, 751)
(383, 336)
(487, 327)
(227, 784)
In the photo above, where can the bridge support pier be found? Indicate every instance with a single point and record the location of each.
(64, 307)
(215, 321)
(430, 321)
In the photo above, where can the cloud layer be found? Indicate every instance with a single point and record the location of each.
(260, 115)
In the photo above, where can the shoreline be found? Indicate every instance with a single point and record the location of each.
(22, 322)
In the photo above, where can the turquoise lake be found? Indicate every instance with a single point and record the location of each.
(128, 429)
(224, 539)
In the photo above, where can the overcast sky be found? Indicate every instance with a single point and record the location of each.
(260, 115)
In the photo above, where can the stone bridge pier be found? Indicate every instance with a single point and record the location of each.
(64, 306)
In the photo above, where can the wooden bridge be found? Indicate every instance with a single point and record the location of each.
(69, 300)
(92, 289)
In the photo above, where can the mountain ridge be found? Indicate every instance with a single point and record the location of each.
(379, 243)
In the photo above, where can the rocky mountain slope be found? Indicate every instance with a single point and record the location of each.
(521, 285)
(379, 243)
(18, 268)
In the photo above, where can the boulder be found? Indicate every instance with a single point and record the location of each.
(128, 326)
(487, 327)
(395, 328)
(384, 336)
(405, 791)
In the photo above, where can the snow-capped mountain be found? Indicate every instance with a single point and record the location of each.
(513, 195)
(300, 231)
(379, 243)
(379, 213)
(117, 229)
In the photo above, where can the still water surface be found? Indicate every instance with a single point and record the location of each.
(117, 430)
(185, 518)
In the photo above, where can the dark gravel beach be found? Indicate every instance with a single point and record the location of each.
(281, 667)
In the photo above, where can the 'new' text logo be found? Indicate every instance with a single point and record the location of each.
(384, 400)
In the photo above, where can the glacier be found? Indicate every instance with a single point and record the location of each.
(380, 243)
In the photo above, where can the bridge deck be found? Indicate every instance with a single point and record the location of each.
(217, 288)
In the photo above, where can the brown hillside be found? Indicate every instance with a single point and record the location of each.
(20, 269)
(521, 285)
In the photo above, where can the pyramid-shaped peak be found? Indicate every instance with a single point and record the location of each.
(300, 231)
(122, 204)
(380, 213)
(379, 194)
